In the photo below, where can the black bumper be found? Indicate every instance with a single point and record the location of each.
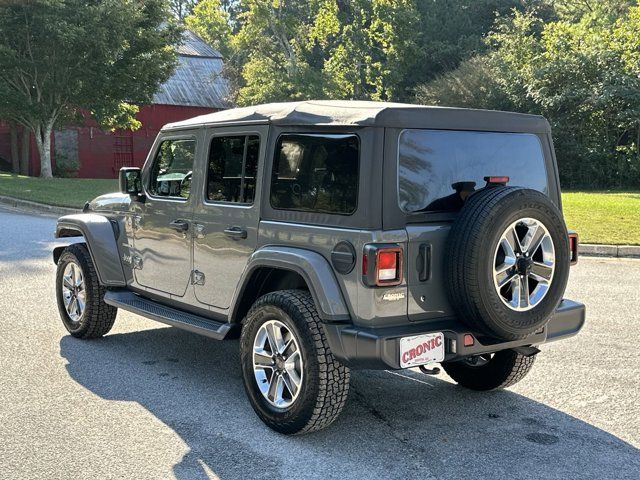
(379, 348)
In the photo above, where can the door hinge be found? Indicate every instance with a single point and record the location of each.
(197, 277)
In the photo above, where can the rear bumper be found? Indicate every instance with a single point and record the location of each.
(378, 348)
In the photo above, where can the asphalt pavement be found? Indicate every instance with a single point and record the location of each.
(150, 401)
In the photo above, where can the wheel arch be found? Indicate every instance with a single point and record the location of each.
(100, 239)
(280, 268)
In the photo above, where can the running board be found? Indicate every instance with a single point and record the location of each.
(131, 302)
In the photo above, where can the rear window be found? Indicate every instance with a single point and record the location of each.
(316, 173)
(439, 169)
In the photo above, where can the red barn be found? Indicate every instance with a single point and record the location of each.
(197, 87)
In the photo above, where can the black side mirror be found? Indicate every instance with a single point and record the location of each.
(131, 181)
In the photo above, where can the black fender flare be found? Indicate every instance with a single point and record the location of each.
(101, 242)
(311, 266)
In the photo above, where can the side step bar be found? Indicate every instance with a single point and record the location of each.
(131, 302)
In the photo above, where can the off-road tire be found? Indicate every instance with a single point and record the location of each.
(505, 368)
(98, 317)
(325, 383)
(469, 256)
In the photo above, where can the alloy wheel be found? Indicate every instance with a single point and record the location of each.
(524, 263)
(277, 364)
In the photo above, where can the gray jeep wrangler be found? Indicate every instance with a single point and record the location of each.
(335, 235)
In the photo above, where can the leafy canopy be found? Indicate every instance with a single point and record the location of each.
(58, 57)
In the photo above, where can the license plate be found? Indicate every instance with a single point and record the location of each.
(421, 349)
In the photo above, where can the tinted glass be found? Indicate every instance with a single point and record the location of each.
(438, 169)
(171, 170)
(233, 164)
(317, 173)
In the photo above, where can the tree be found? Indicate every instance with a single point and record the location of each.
(60, 58)
(212, 23)
(369, 45)
(582, 75)
(183, 8)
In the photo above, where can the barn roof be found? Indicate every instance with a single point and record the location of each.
(363, 113)
(197, 80)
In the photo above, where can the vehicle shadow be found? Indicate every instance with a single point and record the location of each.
(395, 424)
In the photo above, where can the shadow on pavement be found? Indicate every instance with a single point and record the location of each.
(394, 425)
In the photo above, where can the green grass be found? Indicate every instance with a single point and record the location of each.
(63, 192)
(604, 217)
(599, 217)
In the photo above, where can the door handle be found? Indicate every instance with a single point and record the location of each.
(424, 263)
(180, 225)
(235, 232)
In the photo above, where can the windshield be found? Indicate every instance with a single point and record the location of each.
(439, 169)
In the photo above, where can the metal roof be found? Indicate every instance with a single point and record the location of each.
(197, 80)
(194, 46)
(360, 113)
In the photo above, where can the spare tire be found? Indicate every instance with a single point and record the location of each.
(507, 261)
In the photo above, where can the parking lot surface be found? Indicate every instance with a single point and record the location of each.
(149, 401)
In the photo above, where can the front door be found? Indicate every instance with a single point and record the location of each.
(162, 225)
(226, 221)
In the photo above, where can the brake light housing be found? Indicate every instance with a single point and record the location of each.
(382, 265)
(573, 247)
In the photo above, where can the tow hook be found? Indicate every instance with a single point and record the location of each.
(429, 371)
(527, 351)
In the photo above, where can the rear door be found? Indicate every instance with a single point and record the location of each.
(162, 223)
(228, 211)
(437, 170)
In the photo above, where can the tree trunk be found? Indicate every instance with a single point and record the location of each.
(15, 154)
(43, 141)
(26, 150)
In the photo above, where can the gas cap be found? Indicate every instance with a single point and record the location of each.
(343, 257)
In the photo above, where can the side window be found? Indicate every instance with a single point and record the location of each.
(316, 173)
(172, 167)
(233, 166)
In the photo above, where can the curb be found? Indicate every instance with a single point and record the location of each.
(617, 251)
(34, 207)
(585, 249)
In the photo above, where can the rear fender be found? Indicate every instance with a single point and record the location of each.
(312, 267)
(101, 242)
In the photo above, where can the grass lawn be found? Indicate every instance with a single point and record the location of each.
(604, 217)
(63, 192)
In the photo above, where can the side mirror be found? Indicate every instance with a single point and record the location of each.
(131, 181)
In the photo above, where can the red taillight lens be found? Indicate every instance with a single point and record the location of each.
(382, 265)
(388, 262)
(573, 247)
(387, 265)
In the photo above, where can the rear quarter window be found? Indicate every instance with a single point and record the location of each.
(316, 173)
(439, 169)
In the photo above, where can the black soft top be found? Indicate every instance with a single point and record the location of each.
(374, 114)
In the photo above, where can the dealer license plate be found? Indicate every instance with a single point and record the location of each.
(421, 349)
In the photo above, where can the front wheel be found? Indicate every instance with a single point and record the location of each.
(293, 382)
(490, 371)
(80, 295)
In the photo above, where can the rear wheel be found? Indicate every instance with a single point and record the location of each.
(490, 371)
(293, 382)
(80, 295)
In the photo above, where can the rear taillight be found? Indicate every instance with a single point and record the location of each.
(573, 247)
(382, 265)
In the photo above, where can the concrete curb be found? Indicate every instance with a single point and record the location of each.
(619, 251)
(34, 207)
(585, 249)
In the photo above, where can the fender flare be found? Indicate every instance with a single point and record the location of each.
(311, 266)
(101, 242)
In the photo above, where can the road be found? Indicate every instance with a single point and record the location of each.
(149, 401)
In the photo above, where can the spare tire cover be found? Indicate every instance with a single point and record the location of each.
(507, 261)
